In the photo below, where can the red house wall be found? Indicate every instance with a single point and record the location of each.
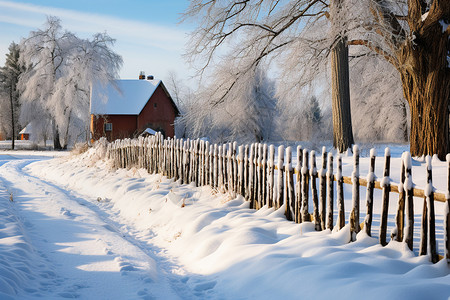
(159, 117)
(123, 126)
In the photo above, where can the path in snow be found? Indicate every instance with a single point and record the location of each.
(67, 247)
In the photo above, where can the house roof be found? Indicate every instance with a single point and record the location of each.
(27, 130)
(122, 97)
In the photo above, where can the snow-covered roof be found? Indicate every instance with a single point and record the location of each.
(148, 131)
(122, 97)
(27, 130)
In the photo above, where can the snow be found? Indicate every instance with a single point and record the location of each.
(122, 97)
(149, 131)
(444, 25)
(96, 233)
(424, 16)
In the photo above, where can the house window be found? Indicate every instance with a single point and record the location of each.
(155, 105)
(108, 126)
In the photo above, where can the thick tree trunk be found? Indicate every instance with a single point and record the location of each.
(342, 121)
(426, 86)
(340, 87)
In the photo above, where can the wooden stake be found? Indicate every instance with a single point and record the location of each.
(280, 186)
(289, 177)
(330, 192)
(270, 176)
(354, 215)
(340, 194)
(369, 194)
(305, 188)
(409, 205)
(323, 190)
(313, 176)
(385, 197)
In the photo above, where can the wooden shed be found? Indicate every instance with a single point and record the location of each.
(125, 108)
(25, 133)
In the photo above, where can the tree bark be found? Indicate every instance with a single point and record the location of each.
(425, 75)
(56, 141)
(426, 87)
(340, 88)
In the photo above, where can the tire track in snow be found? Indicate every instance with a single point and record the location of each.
(91, 253)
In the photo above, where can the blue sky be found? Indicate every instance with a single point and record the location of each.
(148, 35)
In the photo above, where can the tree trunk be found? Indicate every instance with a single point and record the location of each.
(340, 87)
(56, 142)
(426, 86)
(13, 121)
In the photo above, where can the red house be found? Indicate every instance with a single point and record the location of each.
(126, 108)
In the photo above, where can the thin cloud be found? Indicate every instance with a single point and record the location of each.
(148, 34)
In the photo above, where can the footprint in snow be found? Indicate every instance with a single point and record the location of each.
(124, 266)
(205, 286)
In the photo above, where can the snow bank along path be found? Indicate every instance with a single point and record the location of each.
(93, 232)
(57, 244)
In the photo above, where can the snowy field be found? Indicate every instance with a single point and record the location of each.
(70, 227)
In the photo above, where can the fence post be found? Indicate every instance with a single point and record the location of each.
(409, 207)
(249, 194)
(323, 189)
(305, 188)
(340, 195)
(206, 167)
(369, 194)
(235, 168)
(289, 184)
(279, 192)
(330, 192)
(245, 182)
(219, 169)
(259, 177)
(240, 161)
(397, 233)
(298, 185)
(313, 176)
(270, 179)
(354, 215)
(429, 193)
(215, 168)
(386, 186)
(264, 176)
(211, 165)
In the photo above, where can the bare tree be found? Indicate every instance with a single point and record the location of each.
(257, 31)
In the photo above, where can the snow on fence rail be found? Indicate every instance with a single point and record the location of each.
(252, 172)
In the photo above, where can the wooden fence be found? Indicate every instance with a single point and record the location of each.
(251, 171)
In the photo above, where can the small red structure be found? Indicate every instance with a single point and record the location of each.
(24, 134)
(125, 108)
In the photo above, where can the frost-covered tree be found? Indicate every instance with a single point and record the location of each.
(9, 94)
(411, 35)
(246, 115)
(379, 111)
(58, 84)
(297, 34)
(414, 37)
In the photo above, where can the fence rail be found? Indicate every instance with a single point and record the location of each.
(251, 171)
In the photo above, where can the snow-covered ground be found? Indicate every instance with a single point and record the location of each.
(71, 227)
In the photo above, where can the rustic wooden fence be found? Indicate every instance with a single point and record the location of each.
(251, 171)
